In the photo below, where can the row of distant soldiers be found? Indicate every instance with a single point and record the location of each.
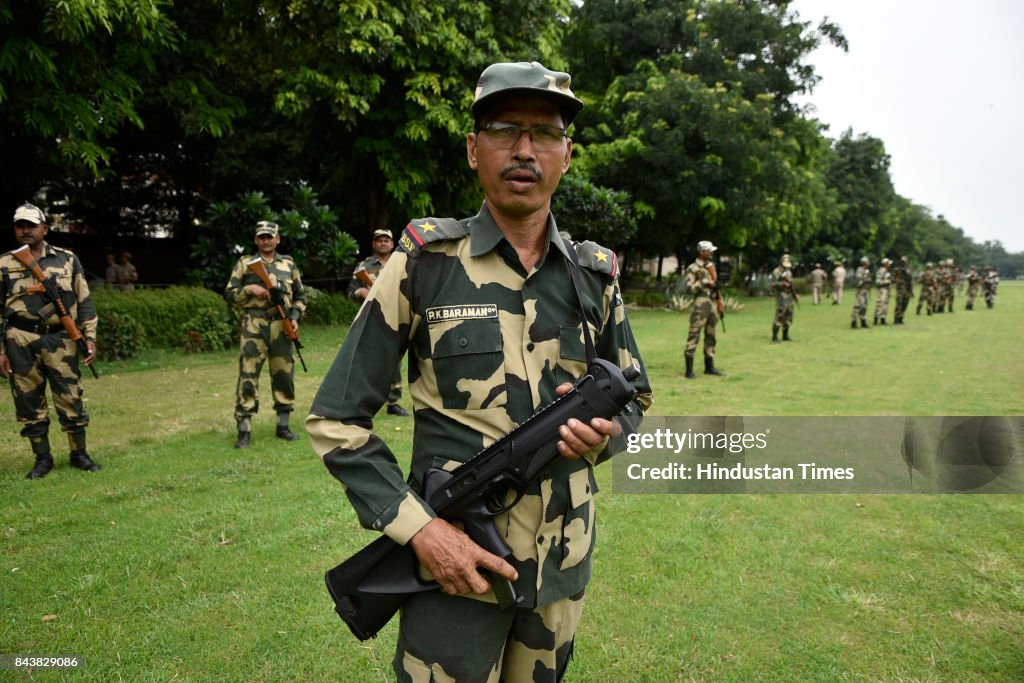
(938, 289)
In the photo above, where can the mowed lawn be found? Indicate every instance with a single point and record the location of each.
(184, 559)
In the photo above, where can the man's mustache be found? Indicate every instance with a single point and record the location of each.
(522, 166)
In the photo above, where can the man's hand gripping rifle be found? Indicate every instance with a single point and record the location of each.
(369, 587)
(277, 298)
(51, 290)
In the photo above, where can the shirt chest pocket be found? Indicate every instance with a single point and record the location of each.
(572, 353)
(469, 363)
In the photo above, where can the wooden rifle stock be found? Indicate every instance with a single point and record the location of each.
(363, 276)
(257, 267)
(49, 287)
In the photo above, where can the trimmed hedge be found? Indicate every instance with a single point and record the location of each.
(193, 319)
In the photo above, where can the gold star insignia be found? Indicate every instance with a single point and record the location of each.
(602, 257)
(428, 227)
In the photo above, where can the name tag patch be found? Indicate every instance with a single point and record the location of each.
(465, 312)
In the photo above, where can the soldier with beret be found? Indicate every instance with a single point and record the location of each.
(487, 310)
(702, 284)
(383, 244)
(785, 295)
(37, 350)
(262, 334)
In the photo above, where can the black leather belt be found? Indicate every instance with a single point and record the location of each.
(34, 326)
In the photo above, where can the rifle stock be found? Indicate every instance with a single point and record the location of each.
(277, 298)
(363, 277)
(51, 290)
(371, 586)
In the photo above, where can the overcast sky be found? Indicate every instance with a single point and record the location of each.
(940, 83)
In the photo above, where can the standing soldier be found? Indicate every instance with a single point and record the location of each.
(37, 348)
(883, 279)
(358, 290)
(927, 296)
(838, 280)
(860, 304)
(904, 279)
(487, 310)
(817, 278)
(702, 284)
(991, 284)
(950, 285)
(939, 292)
(782, 285)
(973, 285)
(263, 335)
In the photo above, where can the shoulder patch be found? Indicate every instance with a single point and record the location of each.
(596, 257)
(423, 231)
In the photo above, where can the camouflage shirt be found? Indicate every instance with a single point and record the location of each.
(283, 273)
(883, 278)
(698, 279)
(863, 277)
(782, 275)
(487, 343)
(371, 265)
(15, 279)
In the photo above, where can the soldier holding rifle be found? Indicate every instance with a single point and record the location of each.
(266, 333)
(358, 289)
(488, 311)
(785, 295)
(702, 284)
(48, 320)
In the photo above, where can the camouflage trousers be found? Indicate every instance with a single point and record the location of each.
(452, 638)
(783, 311)
(860, 304)
(903, 296)
(264, 338)
(925, 299)
(38, 360)
(882, 304)
(972, 294)
(703, 317)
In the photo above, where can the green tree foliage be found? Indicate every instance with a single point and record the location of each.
(70, 77)
(591, 212)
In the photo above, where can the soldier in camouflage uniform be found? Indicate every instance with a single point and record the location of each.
(701, 283)
(883, 280)
(973, 286)
(782, 285)
(927, 296)
(383, 245)
(862, 278)
(903, 278)
(486, 309)
(36, 349)
(262, 333)
(991, 285)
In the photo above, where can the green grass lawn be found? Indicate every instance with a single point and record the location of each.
(186, 559)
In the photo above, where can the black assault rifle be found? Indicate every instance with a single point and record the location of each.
(369, 587)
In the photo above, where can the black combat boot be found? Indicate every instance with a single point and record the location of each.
(775, 333)
(243, 440)
(969, 307)
(284, 433)
(785, 333)
(863, 322)
(709, 366)
(853, 324)
(690, 374)
(82, 461)
(880, 321)
(395, 409)
(875, 321)
(44, 463)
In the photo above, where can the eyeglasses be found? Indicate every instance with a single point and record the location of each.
(505, 135)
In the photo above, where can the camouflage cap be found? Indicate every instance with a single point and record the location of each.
(383, 232)
(886, 261)
(705, 245)
(266, 228)
(30, 213)
(786, 261)
(865, 259)
(527, 79)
